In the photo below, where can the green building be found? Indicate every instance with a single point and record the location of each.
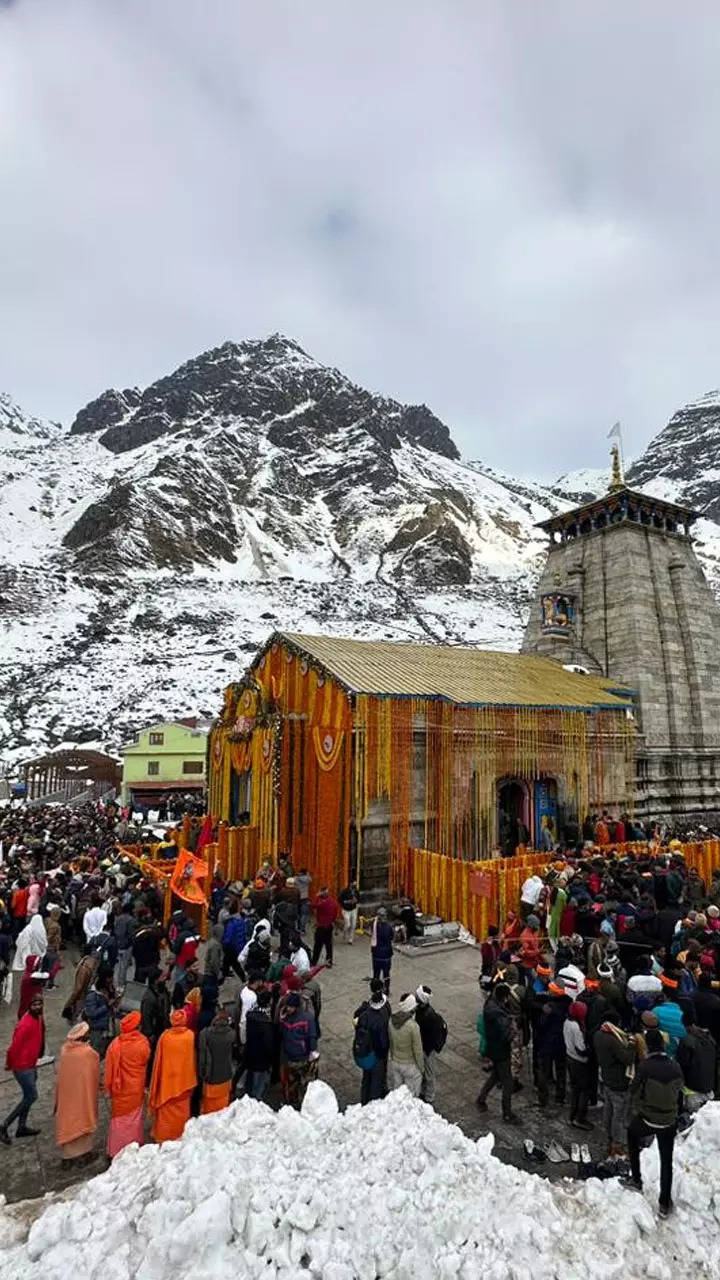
(167, 758)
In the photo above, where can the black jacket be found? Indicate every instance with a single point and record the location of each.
(261, 1039)
(154, 1013)
(498, 1031)
(697, 1057)
(597, 1011)
(146, 947)
(348, 899)
(656, 1089)
(377, 1019)
(549, 1038)
(707, 1011)
(614, 1054)
(215, 1048)
(258, 958)
(433, 1028)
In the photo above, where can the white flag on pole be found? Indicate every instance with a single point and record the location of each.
(614, 431)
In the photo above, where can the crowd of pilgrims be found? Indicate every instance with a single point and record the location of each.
(606, 981)
(603, 988)
(67, 888)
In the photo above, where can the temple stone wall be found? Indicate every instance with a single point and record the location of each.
(645, 615)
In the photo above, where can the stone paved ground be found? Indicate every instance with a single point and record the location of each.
(32, 1166)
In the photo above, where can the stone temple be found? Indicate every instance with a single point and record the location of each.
(623, 595)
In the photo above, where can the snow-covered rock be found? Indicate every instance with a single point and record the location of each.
(389, 1190)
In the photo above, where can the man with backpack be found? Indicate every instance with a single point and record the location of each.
(433, 1033)
(371, 1042)
(655, 1098)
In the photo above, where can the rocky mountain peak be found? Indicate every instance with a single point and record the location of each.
(686, 456)
(268, 383)
(107, 410)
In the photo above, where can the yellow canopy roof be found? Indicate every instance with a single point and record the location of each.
(470, 677)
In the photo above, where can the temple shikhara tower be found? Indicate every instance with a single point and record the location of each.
(623, 595)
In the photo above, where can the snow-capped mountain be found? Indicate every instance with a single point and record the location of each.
(152, 547)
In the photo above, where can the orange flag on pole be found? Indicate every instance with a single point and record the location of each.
(186, 878)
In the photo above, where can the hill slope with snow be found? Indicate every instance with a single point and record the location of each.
(152, 547)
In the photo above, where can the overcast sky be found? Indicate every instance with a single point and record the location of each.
(509, 211)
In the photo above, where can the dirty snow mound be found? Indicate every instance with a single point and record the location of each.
(390, 1190)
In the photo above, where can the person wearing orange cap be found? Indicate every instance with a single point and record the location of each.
(173, 1080)
(125, 1076)
(76, 1095)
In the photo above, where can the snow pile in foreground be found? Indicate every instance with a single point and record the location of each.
(388, 1190)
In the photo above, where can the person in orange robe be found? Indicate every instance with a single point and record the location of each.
(76, 1095)
(125, 1075)
(174, 1078)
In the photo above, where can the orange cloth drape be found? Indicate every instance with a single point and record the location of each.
(171, 1118)
(76, 1092)
(173, 1079)
(126, 1069)
(215, 1097)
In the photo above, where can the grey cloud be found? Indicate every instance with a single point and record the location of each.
(507, 211)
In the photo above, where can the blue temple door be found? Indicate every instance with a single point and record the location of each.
(546, 806)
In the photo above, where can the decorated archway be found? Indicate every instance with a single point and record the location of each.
(514, 817)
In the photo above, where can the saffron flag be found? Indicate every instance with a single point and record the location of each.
(187, 876)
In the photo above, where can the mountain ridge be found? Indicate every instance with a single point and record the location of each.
(150, 548)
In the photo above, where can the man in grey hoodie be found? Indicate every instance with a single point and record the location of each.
(406, 1051)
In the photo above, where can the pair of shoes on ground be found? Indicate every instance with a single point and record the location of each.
(582, 1124)
(580, 1153)
(555, 1153)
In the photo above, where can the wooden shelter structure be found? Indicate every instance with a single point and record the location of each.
(66, 774)
(345, 753)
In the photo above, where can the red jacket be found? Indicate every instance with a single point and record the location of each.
(19, 903)
(530, 955)
(326, 911)
(27, 1044)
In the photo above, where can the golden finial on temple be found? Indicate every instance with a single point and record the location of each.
(617, 479)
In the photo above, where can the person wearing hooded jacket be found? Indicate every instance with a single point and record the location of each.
(406, 1052)
(256, 955)
(374, 1015)
(433, 1033)
(497, 1023)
